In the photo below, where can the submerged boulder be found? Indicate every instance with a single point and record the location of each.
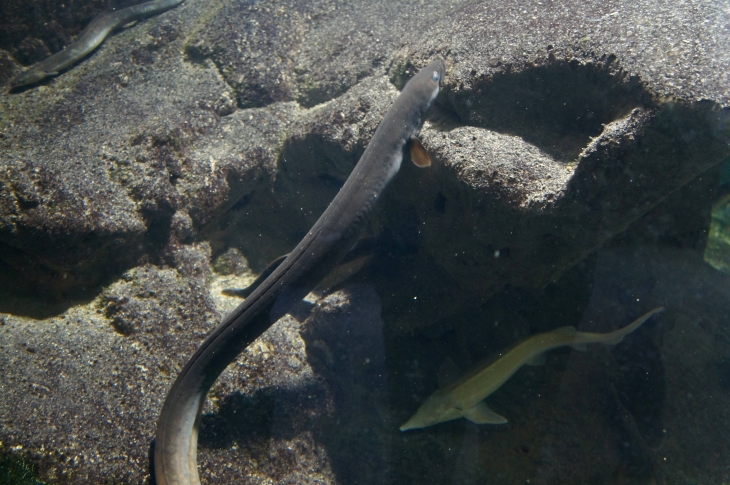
(221, 125)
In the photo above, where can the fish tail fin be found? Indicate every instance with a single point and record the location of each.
(615, 337)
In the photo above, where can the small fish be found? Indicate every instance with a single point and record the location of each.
(464, 398)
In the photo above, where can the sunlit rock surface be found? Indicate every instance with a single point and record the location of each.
(127, 180)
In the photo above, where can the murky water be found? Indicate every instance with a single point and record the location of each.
(579, 178)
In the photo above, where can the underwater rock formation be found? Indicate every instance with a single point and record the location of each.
(225, 125)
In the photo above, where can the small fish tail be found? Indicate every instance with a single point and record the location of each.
(615, 337)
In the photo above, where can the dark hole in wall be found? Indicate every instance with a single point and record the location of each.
(556, 107)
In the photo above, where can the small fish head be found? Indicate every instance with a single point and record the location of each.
(30, 76)
(436, 69)
(427, 82)
(437, 409)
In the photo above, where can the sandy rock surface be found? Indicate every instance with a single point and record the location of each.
(194, 147)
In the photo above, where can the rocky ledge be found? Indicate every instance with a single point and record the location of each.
(194, 147)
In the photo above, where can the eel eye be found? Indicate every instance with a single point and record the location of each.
(436, 76)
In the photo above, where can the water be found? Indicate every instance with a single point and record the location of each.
(579, 178)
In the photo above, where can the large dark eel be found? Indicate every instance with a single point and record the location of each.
(93, 35)
(329, 239)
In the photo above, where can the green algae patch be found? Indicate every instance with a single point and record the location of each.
(18, 471)
(717, 250)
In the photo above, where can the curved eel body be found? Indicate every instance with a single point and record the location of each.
(329, 239)
(93, 35)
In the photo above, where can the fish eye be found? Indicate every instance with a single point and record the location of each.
(436, 76)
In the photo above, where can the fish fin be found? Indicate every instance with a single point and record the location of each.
(342, 272)
(617, 336)
(244, 292)
(364, 245)
(274, 264)
(481, 414)
(239, 292)
(419, 155)
(538, 359)
(448, 372)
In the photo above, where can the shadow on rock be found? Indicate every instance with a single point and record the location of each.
(345, 345)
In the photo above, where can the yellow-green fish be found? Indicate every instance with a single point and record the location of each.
(464, 398)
